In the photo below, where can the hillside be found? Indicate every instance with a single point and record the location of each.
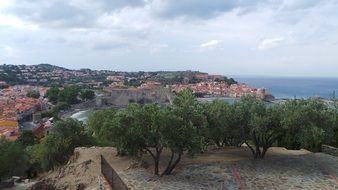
(47, 74)
(81, 171)
(226, 167)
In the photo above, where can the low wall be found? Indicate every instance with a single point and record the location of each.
(111, 176)
(7, 183)
(122, 97)
(330, 150)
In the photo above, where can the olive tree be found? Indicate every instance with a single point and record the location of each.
(222, 124)
(307, 124)
(258, 125)
(179, 136)
(152, 129)
(264, 129)
(97, 125)
(56, 148)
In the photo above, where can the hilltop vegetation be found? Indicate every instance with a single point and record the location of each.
(188, 126)
(184, 127)
(49, 75)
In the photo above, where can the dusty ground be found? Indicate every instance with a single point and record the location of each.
(225, 168)
(82, 170)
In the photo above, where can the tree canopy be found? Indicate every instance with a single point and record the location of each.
(33, 94)
(56, 148)
(87, 94)
(12, 158)
(184, 127)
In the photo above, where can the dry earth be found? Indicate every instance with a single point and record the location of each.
(225, 168)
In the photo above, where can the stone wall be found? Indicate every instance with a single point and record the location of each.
(111, 176)
(122, 97)
(7, 183)
(330, 150)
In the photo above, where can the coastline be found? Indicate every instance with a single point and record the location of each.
(294, 87)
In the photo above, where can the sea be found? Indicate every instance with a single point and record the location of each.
(293, 87)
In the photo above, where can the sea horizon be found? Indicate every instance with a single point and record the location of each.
(283, 87)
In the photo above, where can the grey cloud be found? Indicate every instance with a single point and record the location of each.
(67, 13)
(293, 12)
(109, 5)
(84, 13)
(202, 8)
(110, 46)
(210, 8)
(292, 5)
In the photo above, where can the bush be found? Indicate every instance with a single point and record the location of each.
(55, 149)
(33, 94)
(12, 158)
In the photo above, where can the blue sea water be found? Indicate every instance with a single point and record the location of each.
(283, 87)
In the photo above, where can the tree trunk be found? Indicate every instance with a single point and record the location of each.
(265, 149)
(156, 159)
(250, 147)
(175, 164)
(169, 163)
(258, 152)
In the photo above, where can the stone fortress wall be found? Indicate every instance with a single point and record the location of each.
(122, 97)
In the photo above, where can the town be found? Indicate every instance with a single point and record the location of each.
(19, 110)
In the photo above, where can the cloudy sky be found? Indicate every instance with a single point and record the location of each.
(236, 37)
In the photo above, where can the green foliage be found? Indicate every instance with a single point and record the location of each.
(307, 124)
(188, 126)
(53, 94)
(193, 80)
(222, 128)
(33, 94)
(97, 125)
(258, 125)
(179, 135)
(87, 94)
(229, 81)
(63, 99)
(9, 75)
(295, 124)
(27, 138)
(54, 111)
(151, 128)
(335, 137)
(56, 148)
(12, 158)
(69, 95)
(186, 106)
(132, 82)
(49, 113)
(334, 141)
(264, 129)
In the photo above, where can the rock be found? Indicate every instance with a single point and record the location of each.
(80, 186)
(45, 184)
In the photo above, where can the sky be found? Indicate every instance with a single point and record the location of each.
(229, 37)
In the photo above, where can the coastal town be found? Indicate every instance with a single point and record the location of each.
(19, 112)
(16, 108)
(168, 95)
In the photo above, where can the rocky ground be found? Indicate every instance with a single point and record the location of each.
(228, 168)
(310, 171)
(82, 170)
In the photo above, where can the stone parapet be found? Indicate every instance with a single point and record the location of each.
(330, 150)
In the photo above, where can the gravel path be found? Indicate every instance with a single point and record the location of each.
(311, 171)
